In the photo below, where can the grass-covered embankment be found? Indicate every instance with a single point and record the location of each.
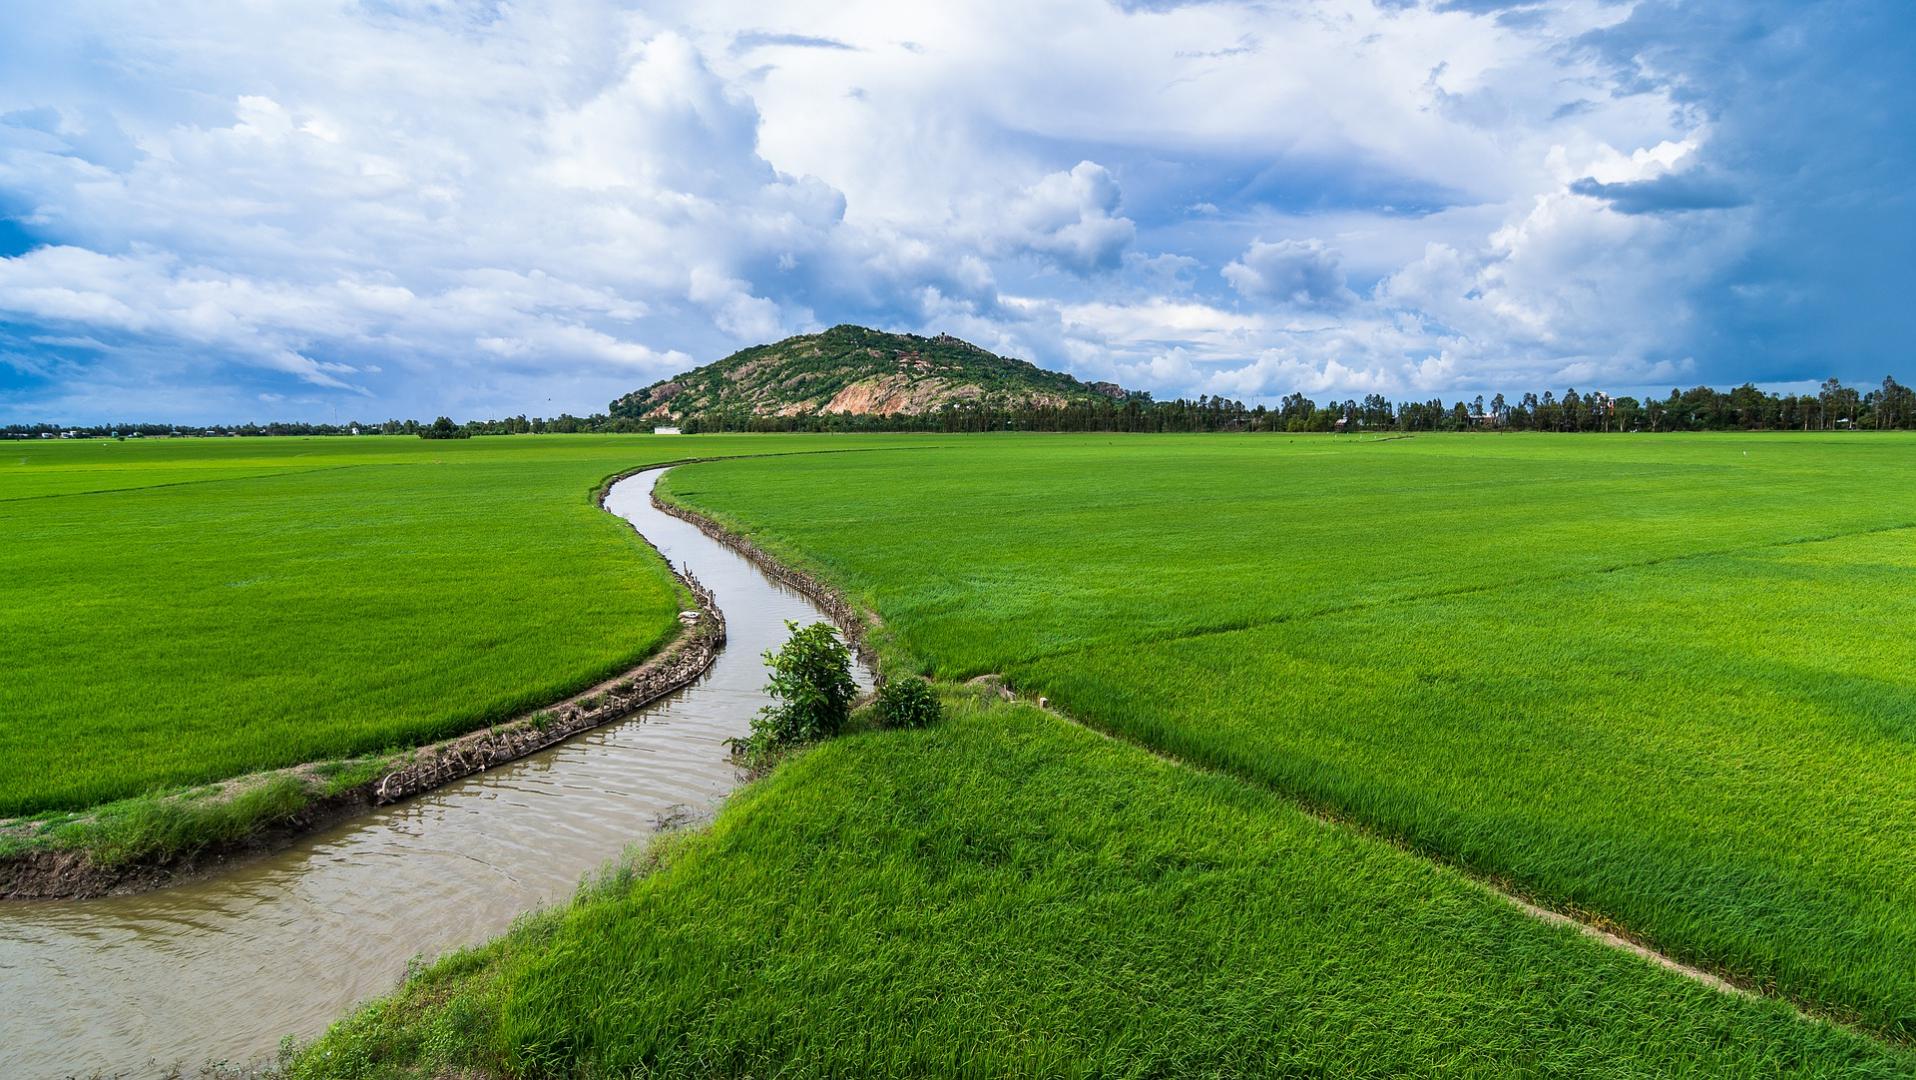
(138, 838)
(1666, 681)
(1005, 894)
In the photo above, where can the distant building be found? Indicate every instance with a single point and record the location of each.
(666, 431)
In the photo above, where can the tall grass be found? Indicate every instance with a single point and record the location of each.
(1005, 895)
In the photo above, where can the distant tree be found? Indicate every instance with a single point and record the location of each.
(1573, 409)
(1628, 412)
(1893, 408)
(1830, 396)
(444, 428)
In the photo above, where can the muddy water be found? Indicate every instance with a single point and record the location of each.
(222, 968)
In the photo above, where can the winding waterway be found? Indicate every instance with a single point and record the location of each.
(222, 968)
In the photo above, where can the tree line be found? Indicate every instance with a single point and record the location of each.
(1834, 406)
(442, 428)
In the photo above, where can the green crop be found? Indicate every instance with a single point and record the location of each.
(180, 611)
(1667, 681)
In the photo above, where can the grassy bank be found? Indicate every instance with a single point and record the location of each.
(1665, 681)
(183, 611)
(163, 828)
(1008, 895)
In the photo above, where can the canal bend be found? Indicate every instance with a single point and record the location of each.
(222, 968)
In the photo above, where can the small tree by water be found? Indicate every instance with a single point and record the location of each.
(812, 689)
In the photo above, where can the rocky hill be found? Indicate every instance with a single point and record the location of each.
(851, 369)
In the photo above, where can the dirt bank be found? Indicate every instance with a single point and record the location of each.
(854, 622)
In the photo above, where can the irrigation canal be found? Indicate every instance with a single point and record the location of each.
(222, 968)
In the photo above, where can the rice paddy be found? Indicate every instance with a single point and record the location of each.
(1668, 682)
(1006, 895)
(1664, 683)
(183, 611)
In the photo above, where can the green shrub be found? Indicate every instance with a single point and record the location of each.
(908, 702)
(812, 689)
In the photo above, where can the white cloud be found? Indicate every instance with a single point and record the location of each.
(437, 205)
(1301, 274)
(1073, 217)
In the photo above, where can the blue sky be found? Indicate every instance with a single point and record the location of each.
(214, 211)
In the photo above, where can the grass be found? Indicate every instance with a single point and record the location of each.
(1666, 681)
(184, 611)
(1007, 895)
(162, 828)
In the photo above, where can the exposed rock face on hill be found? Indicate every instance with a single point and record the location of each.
(850, 369)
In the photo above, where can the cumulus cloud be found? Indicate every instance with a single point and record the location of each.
(1291, 273)
(1072, 217)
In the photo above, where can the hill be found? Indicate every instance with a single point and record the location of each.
(855, 370)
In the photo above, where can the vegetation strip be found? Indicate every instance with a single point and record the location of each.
(1222, 629)
(180, 483)
(682, 662)
(855, 622)
(1590, 926)
(40, 872)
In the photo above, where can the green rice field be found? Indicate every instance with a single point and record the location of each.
(1669, 683)
(1664, 683)
(182, 611)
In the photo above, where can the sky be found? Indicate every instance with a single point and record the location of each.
(362, 209)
